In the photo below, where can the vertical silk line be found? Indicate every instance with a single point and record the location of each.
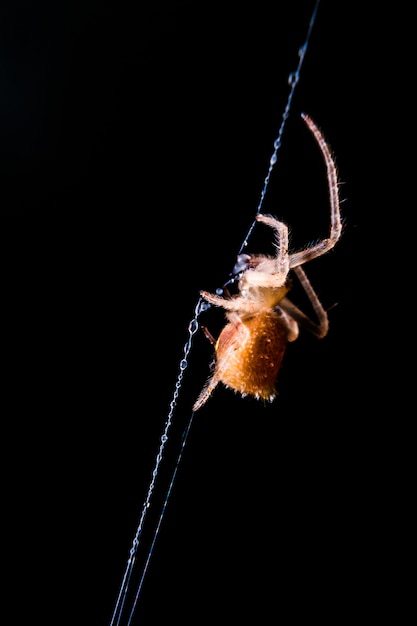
(117, 615)
(293, 80)
(124, 587)
(161, 517)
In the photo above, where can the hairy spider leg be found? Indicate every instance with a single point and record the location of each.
(304, 256)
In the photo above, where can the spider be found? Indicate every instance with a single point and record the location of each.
(261, 318)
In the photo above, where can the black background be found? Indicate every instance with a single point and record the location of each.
(136, 141)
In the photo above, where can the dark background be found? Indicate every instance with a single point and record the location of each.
(136, 141)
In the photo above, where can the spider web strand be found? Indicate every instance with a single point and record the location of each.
(124, 587)
(161, 517)
(293, 80)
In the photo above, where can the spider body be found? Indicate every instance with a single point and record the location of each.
(262, 320)
(249, 360)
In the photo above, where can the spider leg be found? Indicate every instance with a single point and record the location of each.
(238, 337)
(237, 303)
(280, 261)
(325, 245)
(289, 321)
(206, 392)
(320, 329)
(271, 272)
(208, 335)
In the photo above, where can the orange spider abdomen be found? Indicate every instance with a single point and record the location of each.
(248, 361)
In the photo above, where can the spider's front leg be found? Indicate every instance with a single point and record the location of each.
(236, 303)
(233, 307)
(270, 272)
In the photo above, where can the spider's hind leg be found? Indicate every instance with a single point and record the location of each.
(206, 392)
(319, 329)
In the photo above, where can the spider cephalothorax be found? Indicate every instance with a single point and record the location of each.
(261, 318)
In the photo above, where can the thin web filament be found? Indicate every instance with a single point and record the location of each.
(116, 619)
(293, 80)
(124, 587)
